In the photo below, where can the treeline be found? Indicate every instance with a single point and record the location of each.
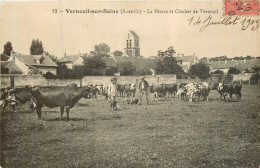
(224, 58)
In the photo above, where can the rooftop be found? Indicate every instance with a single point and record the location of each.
(187, 58)
(242, 65)
(134, 34)
(69, 58)
(31, 60)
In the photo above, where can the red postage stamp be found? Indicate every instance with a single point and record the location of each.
(241, 7)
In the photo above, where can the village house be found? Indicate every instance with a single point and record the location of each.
(71, 60)
(187, 61)
(242, 65)
(28, 64)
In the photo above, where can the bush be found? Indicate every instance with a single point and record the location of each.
(143, 72)
(200, 70)
(111, 71)
(233, 70)
(218, 72)
(127, 69)
(4, 70)
(255, 77)
(50, 75)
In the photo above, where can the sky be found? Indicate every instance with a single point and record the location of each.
(78, 33)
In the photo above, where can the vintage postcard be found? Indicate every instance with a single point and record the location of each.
(130, 84)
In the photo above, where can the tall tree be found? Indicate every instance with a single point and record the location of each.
(36, 47)
(8, 48)
(127, 68)
(200, 70)
(167, 53)
(168, 65)
(4, 57)
(117, 53)
(102, 49)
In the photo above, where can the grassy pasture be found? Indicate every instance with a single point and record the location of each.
(173, 133)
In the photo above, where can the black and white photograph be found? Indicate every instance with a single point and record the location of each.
(130, 84)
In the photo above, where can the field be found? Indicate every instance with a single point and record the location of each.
(171, 133)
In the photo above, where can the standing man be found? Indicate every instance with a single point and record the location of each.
(112, 89)
(144, 90)
(112, 92)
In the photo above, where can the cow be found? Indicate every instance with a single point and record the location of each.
(171, 89)
(22, 95)
(157, 91)
(228, 90)
(214, 86)
(181, 90)
(199, 89)
(121, 89)
(129, 90)
(54, 96)
(103, 90)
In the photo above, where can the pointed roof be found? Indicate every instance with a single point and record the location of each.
(187, 58)
(223, 64)
(110, 62)
(10, 65)
(69, 58)
(30, 60)
(134, 34)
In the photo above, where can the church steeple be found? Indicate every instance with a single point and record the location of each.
(132, 44)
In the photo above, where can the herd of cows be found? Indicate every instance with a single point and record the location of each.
(66, 97)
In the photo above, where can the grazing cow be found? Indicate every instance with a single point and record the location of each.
(121, 89)
(228, 90)
(203, 90)
(199, 89)
(104, 91)
(22, 95)
(129, 90)
(54, 96)
(171, 89)
(157, 91)
(181, 90)
(215, 87)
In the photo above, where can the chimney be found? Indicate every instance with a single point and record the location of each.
(225, 61)
(41, 59)
(244, 60)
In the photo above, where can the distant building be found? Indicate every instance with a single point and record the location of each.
(132, 44)
(28, 64)
(71, 60)
(187, 61)
(242, 65)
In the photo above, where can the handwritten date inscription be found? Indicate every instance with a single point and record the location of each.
(245, 23)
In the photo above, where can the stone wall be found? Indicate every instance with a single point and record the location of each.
(34, 80)
(87, 80)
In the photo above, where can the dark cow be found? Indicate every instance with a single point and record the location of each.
(54, 96)
(22, 95)
(121, 89)
(228, 90)
(171, 89)
(95, 91)
(103, 90)
(157, 91)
